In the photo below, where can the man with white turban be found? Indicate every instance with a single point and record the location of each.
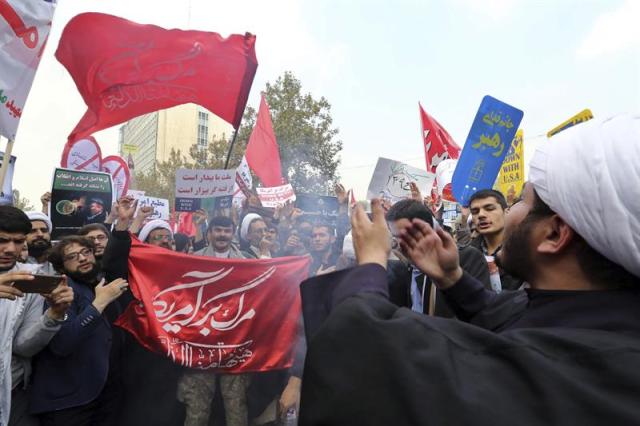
(253, 241)
(564, 351)
(157, 232)
(39, 242)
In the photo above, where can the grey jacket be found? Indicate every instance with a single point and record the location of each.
(25, 331)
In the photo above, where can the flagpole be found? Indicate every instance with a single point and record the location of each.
(5, 163)
(233, 141)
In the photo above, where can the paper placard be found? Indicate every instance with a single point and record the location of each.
(392, 179)
(274, 196)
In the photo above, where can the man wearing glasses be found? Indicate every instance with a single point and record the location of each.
(99, 234)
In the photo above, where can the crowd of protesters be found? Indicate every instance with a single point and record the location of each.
(63, 362)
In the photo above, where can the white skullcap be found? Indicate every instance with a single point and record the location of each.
(244, 227)
(152, 225)
(40, 216)
(589, 175)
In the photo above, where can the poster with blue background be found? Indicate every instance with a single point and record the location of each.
(487, 145)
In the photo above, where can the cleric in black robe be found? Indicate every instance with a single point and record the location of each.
(566, 351)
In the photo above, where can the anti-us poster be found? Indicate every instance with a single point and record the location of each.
(77, 199)
(392, 179)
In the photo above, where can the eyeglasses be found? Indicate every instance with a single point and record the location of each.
(85, 252)
(161, 238)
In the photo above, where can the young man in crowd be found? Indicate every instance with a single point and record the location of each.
(488, 208)
(411, 287)
(563, 351)
(89, 392)
(39, 242)
(196, 388)
(25, 329)
(99, 234)
(323, 238)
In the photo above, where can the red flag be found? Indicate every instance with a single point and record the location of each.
(123, 69)
(262, 152)
(229, 315)
(438, 145)
(185, 224)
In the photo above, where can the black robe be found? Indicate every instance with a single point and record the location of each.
(567, 358)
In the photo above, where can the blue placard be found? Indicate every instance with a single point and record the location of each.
(486, 147)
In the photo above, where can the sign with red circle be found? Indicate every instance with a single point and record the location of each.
(82, 154)
(119, 171)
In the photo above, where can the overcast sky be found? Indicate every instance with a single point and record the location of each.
(374, 60)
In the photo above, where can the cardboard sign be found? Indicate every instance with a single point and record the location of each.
(78, 198)
(6, 196)
(490, 137)
(275, 196)
(119, 171)
(193, 186)
(321, 205)
(160, 207)
(392, 179)
(511, 178)
(135, 194)
(581, 117)
(83, 154)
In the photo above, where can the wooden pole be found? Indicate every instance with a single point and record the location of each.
(5, 164)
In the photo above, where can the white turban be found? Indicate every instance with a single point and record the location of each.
(590, 176)
(152, 225)
(40, 216)
(244, 227)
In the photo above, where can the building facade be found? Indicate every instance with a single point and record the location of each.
(151, 137)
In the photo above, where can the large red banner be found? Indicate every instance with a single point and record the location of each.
(123, 69)
(438, 144)
(231, 315)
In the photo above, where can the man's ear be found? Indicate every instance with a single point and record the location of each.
(554, 235)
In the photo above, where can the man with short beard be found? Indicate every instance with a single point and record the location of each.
(99, 234)
(80, 352)
(24, 328)
(564, 351)
(196, 388)
(323, 237)
(39, 242)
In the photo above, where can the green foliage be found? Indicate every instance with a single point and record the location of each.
(304, 130)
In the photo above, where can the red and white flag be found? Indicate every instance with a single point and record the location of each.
(438, 145)
(262, 152)
(123, 69)
(24, 29)
(228, 315)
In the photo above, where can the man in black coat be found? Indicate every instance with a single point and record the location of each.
(564, 351)
(408, 285)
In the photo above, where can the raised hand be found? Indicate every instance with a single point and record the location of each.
(107, 293)
(415, 192)
(434, 252)
(341, 194)
(371, 239)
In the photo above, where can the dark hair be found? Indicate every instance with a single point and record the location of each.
(14, 220)
(56, 255)
(409, 209)
(486, 193)
(181, 240)
(321, 224)
(600, 270)
(223, 221)
(93, 227)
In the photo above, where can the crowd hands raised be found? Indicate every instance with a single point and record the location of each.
(486, 262)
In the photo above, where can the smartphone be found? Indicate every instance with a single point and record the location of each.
(42, 284)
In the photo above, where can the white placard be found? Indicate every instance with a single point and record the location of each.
(276, 195)
(160, 207)
(204, 183)
(391, 180)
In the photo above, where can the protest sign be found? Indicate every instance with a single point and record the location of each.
(160, 207)
(582, 116)
(490, 137)
(276, 195)
(135, 194)
(6, 197)
(83, 154)
(444, 173)
(321, 205)
(450, 213)
(119, 171)
(511, 178)
(195, 186)
(391, 180)
(24, 29)
(78, 198)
